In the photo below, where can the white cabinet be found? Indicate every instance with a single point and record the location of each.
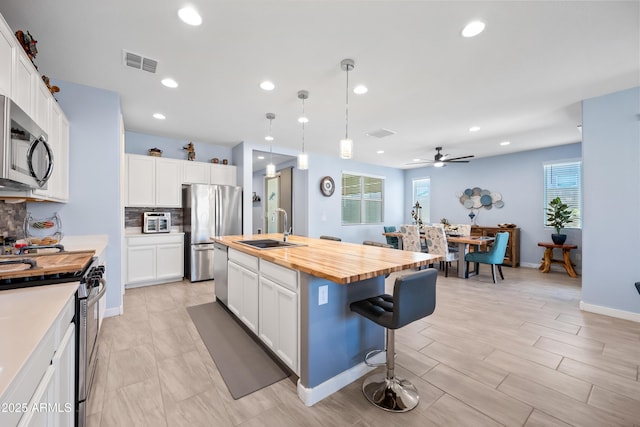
(141, 180)
(195, 173)
(7, 46)
(24, 79)
(43, 392)
(42, 107)
(153, 259)
(153, 181)
(279, 311)
(58, 131)
(222, 174)
(243, 288)
(168, 182)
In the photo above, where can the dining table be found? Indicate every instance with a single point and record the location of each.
(464, 242)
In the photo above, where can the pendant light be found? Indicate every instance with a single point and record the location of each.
(271, 168)
(346, 144)
(303, 158)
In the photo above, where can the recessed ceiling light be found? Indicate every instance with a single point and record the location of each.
(380, 152)
(168, 82)
(267, 85)
(190, 16)
(473, 28)
(360, 90)
(474, 128)
(260, 157)
(303, 119)
(505, 143)
(268, 138)
(416, 160)
(159, 116)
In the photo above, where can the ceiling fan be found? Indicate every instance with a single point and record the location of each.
(440, 159)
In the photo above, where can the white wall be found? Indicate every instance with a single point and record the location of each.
(611, 180)
(518, 177)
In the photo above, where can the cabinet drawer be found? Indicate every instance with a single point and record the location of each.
(153, 239)
(248, 261)
(281, 275)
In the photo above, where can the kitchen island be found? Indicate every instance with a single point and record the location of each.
(296, 300)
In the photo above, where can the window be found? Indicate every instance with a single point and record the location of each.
(362, 199)
(422, 194)
(564, 180)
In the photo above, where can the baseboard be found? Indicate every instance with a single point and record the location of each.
(114, 311)
(529, 265)
(612, 312)
(311, 396)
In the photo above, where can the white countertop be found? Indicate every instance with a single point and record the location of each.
(25, 317)
(96, 242)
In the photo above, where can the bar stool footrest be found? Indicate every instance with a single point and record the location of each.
(391, 394)
(373, 353)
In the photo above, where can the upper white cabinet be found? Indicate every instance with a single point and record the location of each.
(195, 173)
(20, 81)
(6, 60)
(25, 77)
(168, 182)
(58, 131)
(153, 181)
(222, 174)
(157, 181)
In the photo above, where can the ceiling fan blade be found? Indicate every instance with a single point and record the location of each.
(457, 158)
(456, 161)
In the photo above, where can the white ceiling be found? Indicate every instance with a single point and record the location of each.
(521, 80)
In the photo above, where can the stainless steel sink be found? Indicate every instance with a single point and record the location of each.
(268, 243)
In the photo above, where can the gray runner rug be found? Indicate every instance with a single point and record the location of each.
(244, 365)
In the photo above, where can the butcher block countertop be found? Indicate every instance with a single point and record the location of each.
(340, 262)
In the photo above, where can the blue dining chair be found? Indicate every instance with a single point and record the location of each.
(495, 256)
(393, 241)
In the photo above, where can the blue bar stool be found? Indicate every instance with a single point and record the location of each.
(414, 297)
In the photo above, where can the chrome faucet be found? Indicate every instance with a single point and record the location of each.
(285, 235)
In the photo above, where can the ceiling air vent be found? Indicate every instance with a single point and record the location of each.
(139, 62)
(380, 133)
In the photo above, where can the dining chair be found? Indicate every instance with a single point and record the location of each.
(337, 239)
(379, 244)
(391, 240)
(464, 229)
(437, 245)
(494, 256)
(410, 238)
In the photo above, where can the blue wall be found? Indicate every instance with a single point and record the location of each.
(611, 146)
(140, 143)
(94, 174)
(518, 177)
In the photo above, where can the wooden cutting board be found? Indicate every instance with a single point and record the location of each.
(62, 262)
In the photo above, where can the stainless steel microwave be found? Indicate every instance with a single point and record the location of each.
(26, 159)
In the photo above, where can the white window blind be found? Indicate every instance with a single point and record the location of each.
(362, 199)
(422, 195)
(564, 180)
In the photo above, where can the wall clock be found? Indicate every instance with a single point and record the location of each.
(327, 186)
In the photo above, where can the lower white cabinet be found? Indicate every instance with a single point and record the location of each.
(153, 259)
(243, 289)
(43, 392)
(264, 296)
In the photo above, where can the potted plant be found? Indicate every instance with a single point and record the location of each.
(559, 215)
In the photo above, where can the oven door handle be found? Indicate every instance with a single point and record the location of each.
(93, 300)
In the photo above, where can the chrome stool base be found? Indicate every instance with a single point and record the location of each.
(390, 394)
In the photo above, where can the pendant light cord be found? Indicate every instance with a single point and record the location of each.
(303, 125)
(346, 112)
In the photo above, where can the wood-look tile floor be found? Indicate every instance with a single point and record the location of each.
(517, 353)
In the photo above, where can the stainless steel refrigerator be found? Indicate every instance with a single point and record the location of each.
(208, 210)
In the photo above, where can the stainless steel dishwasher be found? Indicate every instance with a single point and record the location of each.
(220, 259)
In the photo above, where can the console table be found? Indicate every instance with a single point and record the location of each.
(547, 260)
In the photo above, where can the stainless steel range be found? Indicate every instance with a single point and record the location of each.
(51, 269)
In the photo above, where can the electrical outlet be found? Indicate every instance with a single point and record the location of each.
(323, 294)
